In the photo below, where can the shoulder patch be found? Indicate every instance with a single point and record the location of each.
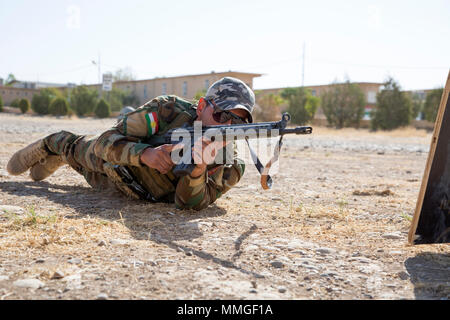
(152, 123)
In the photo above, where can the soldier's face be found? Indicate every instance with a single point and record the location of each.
(205, 114)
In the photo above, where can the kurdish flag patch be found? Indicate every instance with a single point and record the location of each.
(152, 123)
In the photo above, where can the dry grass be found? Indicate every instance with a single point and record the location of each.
(336, 199)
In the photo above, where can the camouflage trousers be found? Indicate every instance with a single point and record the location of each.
(77, 151)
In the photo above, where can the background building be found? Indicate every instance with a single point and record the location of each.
(183, 86)
(370, 90)
(9, 94)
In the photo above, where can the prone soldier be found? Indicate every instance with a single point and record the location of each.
(130, 142)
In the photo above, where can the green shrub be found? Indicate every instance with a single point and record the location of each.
(15, 103)
(83, 100)
(59, 107)
(343, 105)
(302, 106)
(268, 107)
(24, 105)
(103, 109)
(431, 105)
(1, 104)
(40, 102)
(394, 108)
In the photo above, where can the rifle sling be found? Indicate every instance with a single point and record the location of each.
(266, 180)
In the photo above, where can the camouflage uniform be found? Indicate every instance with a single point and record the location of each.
(93, 157)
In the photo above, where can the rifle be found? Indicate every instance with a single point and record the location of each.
(235, 132)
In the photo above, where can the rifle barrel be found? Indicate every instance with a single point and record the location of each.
(296, 130)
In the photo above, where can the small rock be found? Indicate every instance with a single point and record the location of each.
(40, 261)
(28, 283)
(253, 291)
(324, 251)
(137, 263)
(361, 260)
(57, 275)
(74, 261)
(189, 253)
(102, 296)
(282, 290)
(102, 243)
(277, 264)
(403, 275)
(118, 241)
(393, 236)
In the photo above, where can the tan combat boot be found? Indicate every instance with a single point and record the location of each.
(25, 158)
(45, 167)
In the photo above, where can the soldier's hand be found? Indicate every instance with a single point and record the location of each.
(204, 152)
(159, 158)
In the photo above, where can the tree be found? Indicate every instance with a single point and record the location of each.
(10, 79)
(118, 98)
(83, 100)
(114, 98)
(302, 106)
(103, 109)
(130, 99)
(124, 74)
(24, 105)
(59, 107)
(268, 107)
(394, 107)
(199, 94)
(417, 105)
(343, 105)
(40, 102)
(431, 105)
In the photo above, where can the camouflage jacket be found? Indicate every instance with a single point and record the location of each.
(126, 141)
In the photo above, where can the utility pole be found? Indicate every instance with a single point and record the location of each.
(303, 65)
(99, 69)
(99, 75)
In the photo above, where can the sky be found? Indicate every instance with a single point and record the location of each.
(290, 42)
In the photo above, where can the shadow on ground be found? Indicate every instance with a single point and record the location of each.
(158, 222)
(430, 274)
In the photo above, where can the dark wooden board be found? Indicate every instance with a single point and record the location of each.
(431, 221)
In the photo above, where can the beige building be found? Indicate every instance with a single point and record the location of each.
(9, 94)
(183, 86)
(370, 90)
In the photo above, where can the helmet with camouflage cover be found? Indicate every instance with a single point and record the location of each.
(230, 93)
(124, 111)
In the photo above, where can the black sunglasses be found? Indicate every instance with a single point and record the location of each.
(223, 116)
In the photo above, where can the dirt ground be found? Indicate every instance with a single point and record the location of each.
(334, 226)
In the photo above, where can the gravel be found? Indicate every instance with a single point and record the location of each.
(338, 237)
